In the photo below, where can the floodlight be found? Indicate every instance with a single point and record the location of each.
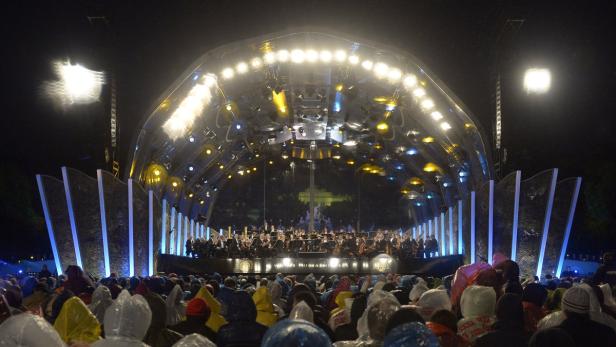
(537, 81)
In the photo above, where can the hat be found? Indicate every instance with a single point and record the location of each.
(576, 300)
(197, 307)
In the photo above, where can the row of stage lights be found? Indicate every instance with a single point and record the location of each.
(182, 119)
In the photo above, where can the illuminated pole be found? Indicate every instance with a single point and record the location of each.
(312, 203)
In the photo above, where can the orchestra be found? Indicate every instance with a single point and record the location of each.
(262, 244)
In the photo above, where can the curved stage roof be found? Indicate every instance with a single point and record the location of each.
(310, 96)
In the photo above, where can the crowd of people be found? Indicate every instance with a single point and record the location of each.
(479, 305)
(292, 243)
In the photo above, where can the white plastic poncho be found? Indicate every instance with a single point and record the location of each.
(302, 311)
(419, 288)
(194, 340)
(28, 330)
(126, 322)
(371, 325)
(101, 300)
(176, 307)
(431, 301)
(478, 304)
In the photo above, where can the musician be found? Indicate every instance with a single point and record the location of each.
(349, 245)
(278, 246)
(361, 246)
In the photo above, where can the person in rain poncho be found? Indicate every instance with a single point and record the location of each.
(555, 318)
(342, 314)
(197, 314)
(411, 334)
(444, 324)
(28, 330)
(126, 322)
(216, 320)
(419, 288)
(194, 340)
(242, 328)
(431, 301)
(276, 292)
(101, 300)
(266, 315)
(176, 308)
(348, 331)
(609, 304)
(533, 299)
(477, 305)
(33, 302)
(76, 323)
(295, 333)
(158, 335)
(508, 331)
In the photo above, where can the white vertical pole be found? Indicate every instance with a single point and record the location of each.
(563, 250)
(546, 222)
(491, 222)
(52, 238)
(516, 209)
(163, 232)
(460, 243)
(192, 228)
(450, 230)
(71, 216)
(186, 227)
(178, 238)
(131, 240)
(150, 232)
(101, 203)
(173, 234)
(443, 249)
(472, 227)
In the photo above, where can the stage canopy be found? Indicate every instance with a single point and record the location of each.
(309, 96)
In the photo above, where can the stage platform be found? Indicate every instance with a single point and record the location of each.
(439, 266)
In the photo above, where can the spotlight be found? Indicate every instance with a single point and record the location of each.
(394, 75)
(445, 126)
(427, 104)
(297, 56)
(191, 195)
(156, 172)
(191, 139)
(353, 60)
(380, 70)
(286, 262)
(350, 143)
(382, 127)
(537, 81)
(283, 55)
(312, 56)
(174, 184)
(256, 63)
(269, 57)
(340, 55)
(238, 126)
(334, 262)
(221, 166)
(411, 151)
(76, 85)
(436, 115)
(227, 73)
(419, 92)
(367, 64)
(228, 107)
(208, 151)
(241, 68)
(191, 168)
(326, 56)
(201, 202)
(410, 81)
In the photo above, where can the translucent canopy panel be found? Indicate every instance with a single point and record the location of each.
(309, 96)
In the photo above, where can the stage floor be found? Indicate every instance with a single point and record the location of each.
(439, 266)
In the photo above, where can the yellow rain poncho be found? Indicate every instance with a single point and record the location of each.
(76, 323)
(340, 301)
(266, 315)
(216, 320)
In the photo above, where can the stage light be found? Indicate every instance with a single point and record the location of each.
(382, 127)
(410, 81)
(227, 73)
(280, 101)
(312, 56)
(436, 115)
(353, 60)
(419, 92)
(537, 81)
(427, 104)
(334, 262)
(380, 70)
(430, 167)
(201, 202)
(191, 168)
(297, 56)
(190, 195)
(76, 84)
(285, 156)
(229, 176)
(191, 139)
(283, 55)
(340, 55)
(350, 143)
(325, 56)
(238, 126)
(336, 156)
(271, 162)
(269, 58)
(228, 107)
(256, 63)
(427, 139)
(208, 151)
(416, 181)
(286, 262)
(221, 166)
(254, 169)
(411, 151)
(209, 80)
(241, 68)
(174, 184)
(351, 162)
(241, 172)
(445, 126)
(367, 64)
(394, 75)
(156, 172)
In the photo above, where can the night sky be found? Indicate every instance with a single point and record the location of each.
(149, 43)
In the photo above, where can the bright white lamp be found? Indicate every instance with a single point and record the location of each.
(537, 81)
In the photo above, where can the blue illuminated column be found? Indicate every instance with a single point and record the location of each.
(429, 227)
(101, 202)
(546, 222)
(201, 232)
(163, 231)
(178, 233)
(450, 230)
(516, 209)
(472, 227)
(491, 222)
(460, 243)
(131, 241)
(414, 233)
(563, 250)
(52, 238)
(172, 235)
(207, 234)
(71, 215)
(150, 232)
(185, 228)
(443, 249)
(192, 228)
